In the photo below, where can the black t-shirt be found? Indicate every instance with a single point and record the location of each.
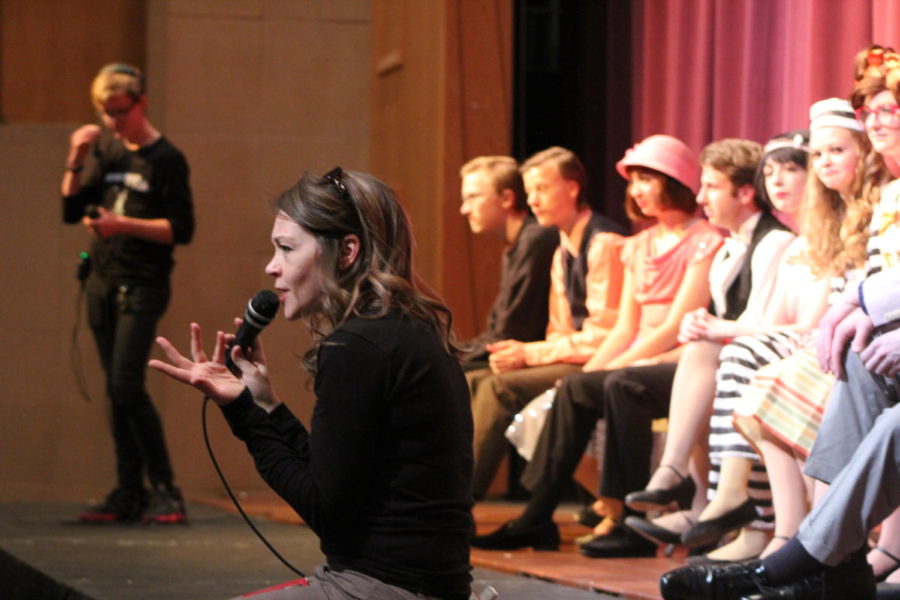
(149, 183)
(384, 479)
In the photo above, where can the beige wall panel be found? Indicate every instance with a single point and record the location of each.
(346, 10)
(407, 132)
(39, 68)
(315, 75)
(442, 95)
(350, 10)
(216, 8)
(225, 180)
(214, 79)
(292, 156)
(478, 117)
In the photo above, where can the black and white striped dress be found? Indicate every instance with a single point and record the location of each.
(739, 361)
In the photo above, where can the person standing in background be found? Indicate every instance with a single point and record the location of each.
(129, 186)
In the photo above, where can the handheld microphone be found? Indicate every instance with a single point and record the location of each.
(261, 309)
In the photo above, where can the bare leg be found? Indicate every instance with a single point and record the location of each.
(748, 544)
(889, 540)
(681, 521)
(790, 489)
(692, 397)
(732, 490)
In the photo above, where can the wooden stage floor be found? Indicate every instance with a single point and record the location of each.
(631, 578)
(44, 553)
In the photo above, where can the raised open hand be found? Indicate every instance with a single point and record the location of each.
(209, 376)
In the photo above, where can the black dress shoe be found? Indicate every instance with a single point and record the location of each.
(713, 581)
(830, 584)
(619, 543)
(649, 530)
(708, 532)
(512, 536)
(808, 588)
(661, 499)
(702, 558)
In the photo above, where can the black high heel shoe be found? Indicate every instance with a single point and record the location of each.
(681, 494)
(709, 531)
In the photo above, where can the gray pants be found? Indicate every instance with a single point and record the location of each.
(326, 584)
(857, 452)
(854, 405)
(863, 494)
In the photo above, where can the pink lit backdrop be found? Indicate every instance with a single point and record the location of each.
(708, 69)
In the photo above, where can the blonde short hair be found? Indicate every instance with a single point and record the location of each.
(504, 174)
(117, 79)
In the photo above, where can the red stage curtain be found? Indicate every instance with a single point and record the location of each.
(708, 69)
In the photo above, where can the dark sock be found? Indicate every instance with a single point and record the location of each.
(789, 563)
(539, 510)
(856, 561)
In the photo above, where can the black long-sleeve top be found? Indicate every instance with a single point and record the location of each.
(520, 310)
(149, 183)
(384, 476)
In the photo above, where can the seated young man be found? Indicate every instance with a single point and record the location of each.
(586, 280)
(494, 203)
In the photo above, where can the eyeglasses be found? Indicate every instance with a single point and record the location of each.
(888, 115)
(117, 113)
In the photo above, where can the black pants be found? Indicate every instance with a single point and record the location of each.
(564, 437)
(634, 396)
(123, 319)
(629, 399)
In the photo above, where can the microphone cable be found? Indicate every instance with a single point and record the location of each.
(212, 456)
(84, 267)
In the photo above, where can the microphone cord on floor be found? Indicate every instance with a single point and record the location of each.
(206, 400)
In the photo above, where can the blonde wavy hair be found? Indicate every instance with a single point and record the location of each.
(838, 231)
(836, 228)
(381, 279)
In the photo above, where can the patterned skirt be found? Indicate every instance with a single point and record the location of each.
(786, 399)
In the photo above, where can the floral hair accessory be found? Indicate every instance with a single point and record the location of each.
(880, 60)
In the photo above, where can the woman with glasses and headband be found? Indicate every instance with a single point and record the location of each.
(383, 476)
(128, 185)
